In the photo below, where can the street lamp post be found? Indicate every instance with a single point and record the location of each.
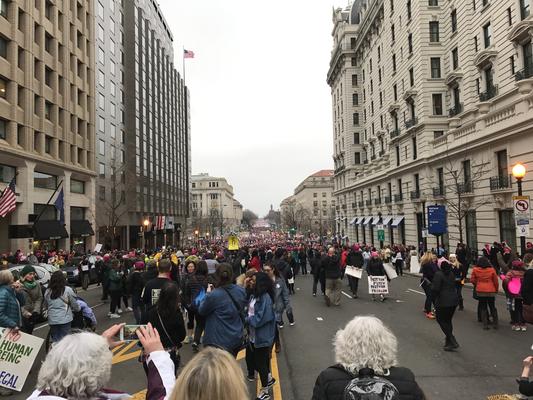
(145, 225)
(519, 172)
(197, 233)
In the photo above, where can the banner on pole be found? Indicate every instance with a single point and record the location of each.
(17, 358)
(378, 285)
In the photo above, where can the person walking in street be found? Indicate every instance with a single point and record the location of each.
(318, 272)
(115, 288)
(398, 261)
(460, 273)
(135, 285)
(222, 308)
(486, 285)
(444, 291)
(332, 269)
(261, 322)
(302, 256)
(60, 303)
(33, 299)
(428, 268)
(512, 284)
(365, 346)
(195, 291)
(375, 267)
(354, 259)
(153, 286)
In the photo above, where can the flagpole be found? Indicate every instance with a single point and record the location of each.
(183, 61)
(49, 200)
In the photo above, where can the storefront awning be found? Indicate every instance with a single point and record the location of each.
(367, 220)
(375, 220)
(49, 230)
(81, 228)
(386, 220)
(397, 221)
(352, 222)
(359, 220)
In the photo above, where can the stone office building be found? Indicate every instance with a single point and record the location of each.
(432, 104)
(47, 121)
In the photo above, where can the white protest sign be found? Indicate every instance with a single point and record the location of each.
(390, 271)
(17, 358)
(97, 248)
(378, 285)
(354, 271)
(415, 265)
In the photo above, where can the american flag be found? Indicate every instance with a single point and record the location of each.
(188, 53)
(160, 223)
(8, 200)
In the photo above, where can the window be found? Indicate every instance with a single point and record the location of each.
(357, 158)
(101, 170)
(455, 59)
(412, 77)
(324, 194)
(101, 192)
(503, 166)
(48, 75)
(433, 31)
(355, 99)
(44, 181)
(415, 148)
(356, 118)
(101, 101)
(3, 88)
(511, 65)
(7, 173)
(354, 80)
(101, 124)
(48, 110)
(395, 91)
(487, 35)
(77, 187)
(3, 129)
(3, 47)
(476, 47)
(100, 10)
(433, 3)
(392, 33)
(435, 68)
(101, 147)
(3, 8)
(100, 32)
(410, 43)
(409, 11)
(356, 138)
(467, 172)
(453, 17)
(437, 134)
(524, 8)
(315, 195)
(101, 78)
(507, 227)
(101, 55)
(394, 62)
(397, 155)
(437, 103)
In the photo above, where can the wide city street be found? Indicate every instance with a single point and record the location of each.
(487, 363)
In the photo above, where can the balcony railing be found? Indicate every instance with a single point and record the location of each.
(527, 72)
(388, 200)
(377, 202)
(411, 122)
(361, 204)
(415, 194)
(500, 182)
(491, 92)
(439, 191)
(458, 109)
(463, 188)
(398, 197)
(394, 133)
(368, 202)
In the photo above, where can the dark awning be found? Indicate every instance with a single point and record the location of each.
(19, 232)
(49, 230)
(81, 227)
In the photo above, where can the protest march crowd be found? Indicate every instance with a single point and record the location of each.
(222, 302)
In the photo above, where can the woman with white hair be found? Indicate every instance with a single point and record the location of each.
(365, 344)
(79, 367)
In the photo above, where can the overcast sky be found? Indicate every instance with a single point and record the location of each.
(261, 107)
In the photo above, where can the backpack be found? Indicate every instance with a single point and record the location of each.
(368, 386)
(200, 296)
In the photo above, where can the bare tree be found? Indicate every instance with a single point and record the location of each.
(294, 215)
(249, 217)
(114, 206)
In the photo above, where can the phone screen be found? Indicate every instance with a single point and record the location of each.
(128, 333)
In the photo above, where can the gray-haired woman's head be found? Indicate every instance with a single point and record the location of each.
(77, 367)
(365, 342)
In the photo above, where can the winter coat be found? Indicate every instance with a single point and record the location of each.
(444, 289)
(331, 383)
(193, 286)
(283, 267)
(527, 287)
(263, 322)
(175, 328)
(484, 280)
(135, 285)
(355, 259)
(33, 299)
(60, 309)
(255, 263)
(315, 264)
(9, 307)
(331, 265)
(223, 324)
(428, 271)
(115, 280)
(281, 298)
(375, 267)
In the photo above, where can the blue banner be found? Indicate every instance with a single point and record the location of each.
(437, 220)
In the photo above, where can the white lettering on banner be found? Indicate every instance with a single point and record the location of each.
(378, 285)
(17, 358)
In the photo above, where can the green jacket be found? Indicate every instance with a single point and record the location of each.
(115, 280)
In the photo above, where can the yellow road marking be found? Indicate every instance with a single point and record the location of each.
(116, 349)
(121, 356)
(276, 390)
(139, 395)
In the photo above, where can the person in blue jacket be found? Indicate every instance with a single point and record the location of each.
(261, 321)
(222, 308)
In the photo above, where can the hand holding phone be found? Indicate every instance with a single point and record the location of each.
(128, 333)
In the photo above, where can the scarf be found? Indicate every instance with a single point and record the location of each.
(29, 285)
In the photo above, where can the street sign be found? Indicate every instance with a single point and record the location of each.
(437, 220)
(424, 233)
(381, 233)
(522, 213)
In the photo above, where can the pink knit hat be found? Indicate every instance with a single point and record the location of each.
(374, 254)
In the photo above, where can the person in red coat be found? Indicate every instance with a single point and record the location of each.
(255, 262)
(486, 285)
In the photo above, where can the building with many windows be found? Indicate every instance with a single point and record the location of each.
(214, 207)
(142, 127)
(312, 207)
(47, 122)
(432, 104)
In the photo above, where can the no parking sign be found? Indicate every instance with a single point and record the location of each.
(521, 214)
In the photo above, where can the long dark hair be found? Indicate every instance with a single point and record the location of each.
(201, 268)
(263, 284)
(223, 275)
(168, 301)
(57, 285)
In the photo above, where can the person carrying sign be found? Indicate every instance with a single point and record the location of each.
(354, 259)
(375, 268)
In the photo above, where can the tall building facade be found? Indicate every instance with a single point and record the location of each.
(143, 127)
(312, 207)
(214, 207)
(431, 105)
(47, 120)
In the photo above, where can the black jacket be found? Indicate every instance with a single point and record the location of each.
(355, 259)
(175, 328)
(315, 262)
(375, 267)
(332, 267)
(527, 287)
(525, 387)
(331, 383)
(444, 289)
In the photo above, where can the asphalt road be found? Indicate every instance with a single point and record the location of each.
(487, 362)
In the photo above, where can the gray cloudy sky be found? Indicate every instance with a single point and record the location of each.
(261, 108)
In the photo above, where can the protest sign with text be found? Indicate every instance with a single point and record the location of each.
(378, 285)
